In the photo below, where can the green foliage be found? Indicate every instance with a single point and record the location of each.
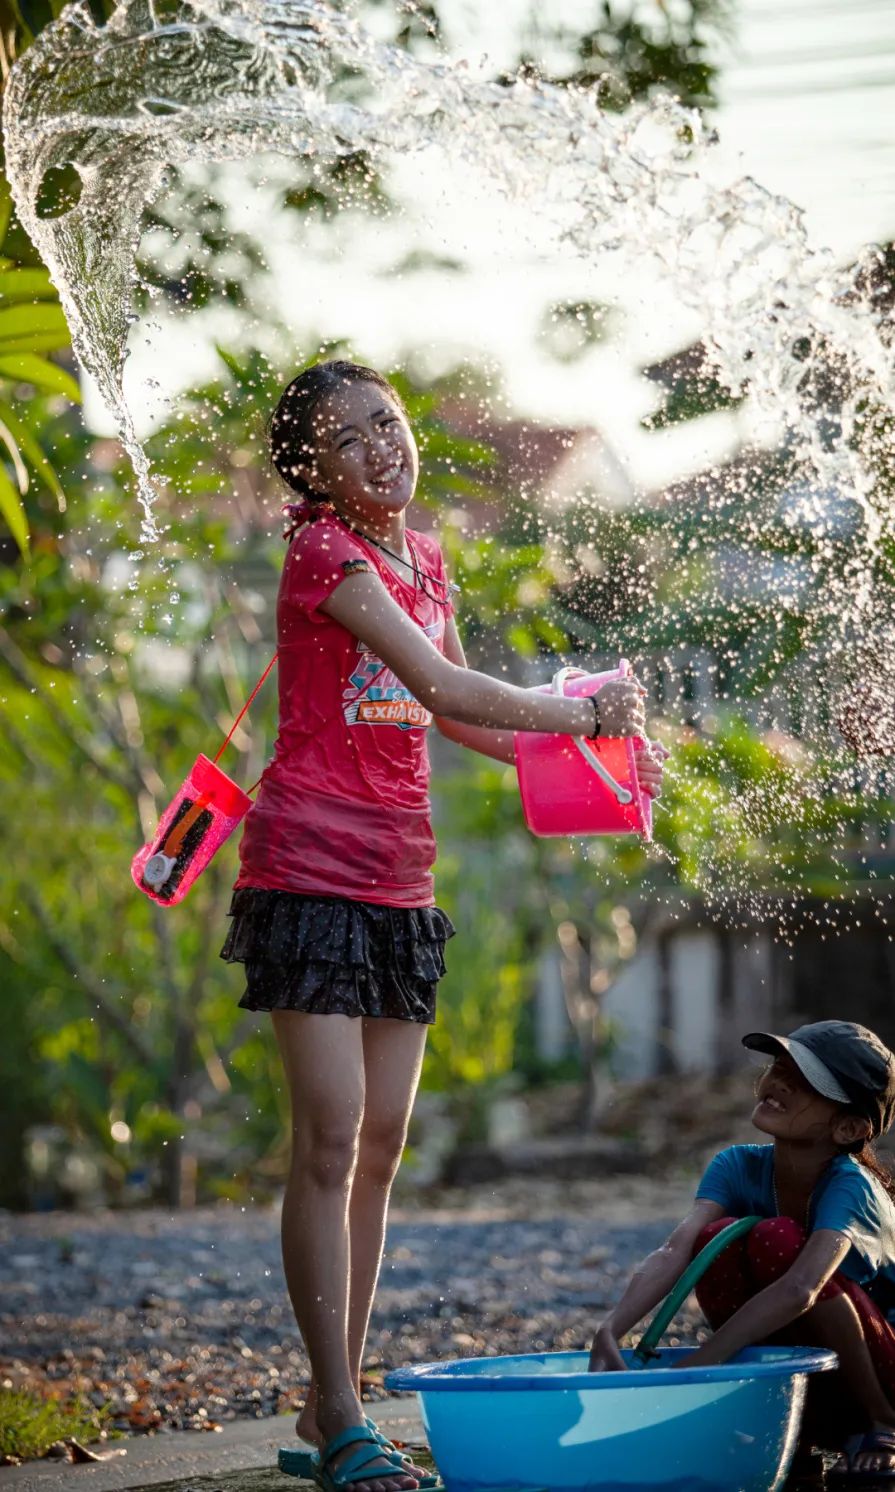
(687, 399)
(31, 324)
(132, 1014)
(569, 329)
(124, 1018)
(486, 880)
(627, 52)
(192, 254)
(768, 816)
(132, 1023)
(30, 1425)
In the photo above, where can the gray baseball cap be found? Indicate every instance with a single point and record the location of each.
(842, 1061)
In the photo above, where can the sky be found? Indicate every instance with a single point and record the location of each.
(807, 108)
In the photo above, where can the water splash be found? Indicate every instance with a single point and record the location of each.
(163, 84)
(167, 83)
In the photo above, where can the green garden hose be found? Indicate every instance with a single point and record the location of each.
(646, 1347)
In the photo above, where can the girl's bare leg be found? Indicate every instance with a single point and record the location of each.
(393, 1056)
(836, 1324)
(323, 1056)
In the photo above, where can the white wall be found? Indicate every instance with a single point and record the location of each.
(633, 1003)
(695, 970)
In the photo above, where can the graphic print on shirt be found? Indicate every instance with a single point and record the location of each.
(376, 696)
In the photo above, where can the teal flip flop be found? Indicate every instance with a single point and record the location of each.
(354, 1468)
(302, 1463)
(297, 1462)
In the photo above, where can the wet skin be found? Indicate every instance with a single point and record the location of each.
(799, 1119)
(363, 457)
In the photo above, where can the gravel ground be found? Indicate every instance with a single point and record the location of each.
(183, 1322)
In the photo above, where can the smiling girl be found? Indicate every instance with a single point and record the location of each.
(333, 913)
(820, 1270)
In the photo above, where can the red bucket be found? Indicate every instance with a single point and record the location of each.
(204, 813)
(573, 786)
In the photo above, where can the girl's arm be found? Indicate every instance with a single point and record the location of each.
(780, 1303)
(498, 744)
(649, 1284)
(363, 605)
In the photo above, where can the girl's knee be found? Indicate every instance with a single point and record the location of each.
(381, 1148)
(710, 1231)
(773, 1246)
(325, 1154)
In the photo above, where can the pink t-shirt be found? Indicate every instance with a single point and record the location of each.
(343, 808)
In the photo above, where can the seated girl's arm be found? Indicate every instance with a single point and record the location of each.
(780, 1303)
(650, 1283)
(363, 605)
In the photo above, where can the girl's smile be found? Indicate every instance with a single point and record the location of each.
(363, 456)
(788, 1108)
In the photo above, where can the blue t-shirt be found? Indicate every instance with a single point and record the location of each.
(848, 1199)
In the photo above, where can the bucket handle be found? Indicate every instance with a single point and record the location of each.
(621, 794)
(646, 1347)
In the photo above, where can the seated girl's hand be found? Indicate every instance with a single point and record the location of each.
(650, 763)
(705, 1356)
(621, 708)
(604, 1354)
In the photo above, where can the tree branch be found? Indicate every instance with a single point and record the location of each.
(18, 666)
(90, 986)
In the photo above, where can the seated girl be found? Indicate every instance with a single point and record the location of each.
(820, 1269)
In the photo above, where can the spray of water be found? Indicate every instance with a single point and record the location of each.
(167, 83)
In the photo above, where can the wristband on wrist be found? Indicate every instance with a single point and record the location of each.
(597, 722)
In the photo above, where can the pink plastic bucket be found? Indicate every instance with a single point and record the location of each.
(193, 827)
(573, 786)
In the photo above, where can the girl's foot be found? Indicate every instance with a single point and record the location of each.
(867, 1457)
(382, 1475)
(307, 1429)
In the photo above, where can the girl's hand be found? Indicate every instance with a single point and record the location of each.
(604, 1354)
(703, 1357)
(621, 708)
(650, 762)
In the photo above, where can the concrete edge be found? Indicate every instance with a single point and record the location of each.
(245, 1445)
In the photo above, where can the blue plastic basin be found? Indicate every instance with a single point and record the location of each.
(543, 1421)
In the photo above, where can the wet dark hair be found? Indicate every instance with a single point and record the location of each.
(290, 432)
(866, 1156)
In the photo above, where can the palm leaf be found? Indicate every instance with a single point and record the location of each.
(26, 368)
(32, 450)
(5, 206)
(20, 284)
(36, 342)
(32, 328)
(11, 510)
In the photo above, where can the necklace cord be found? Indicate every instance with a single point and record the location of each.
(420, 575)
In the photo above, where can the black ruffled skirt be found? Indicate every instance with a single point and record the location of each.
(329, 956)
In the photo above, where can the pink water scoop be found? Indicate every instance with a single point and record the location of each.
(573, 786)
(203, 813)
(201, 816)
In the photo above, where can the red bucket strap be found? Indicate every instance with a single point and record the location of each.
(223, 747)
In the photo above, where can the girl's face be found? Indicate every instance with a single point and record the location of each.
(362, 456)
(789, 1109)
